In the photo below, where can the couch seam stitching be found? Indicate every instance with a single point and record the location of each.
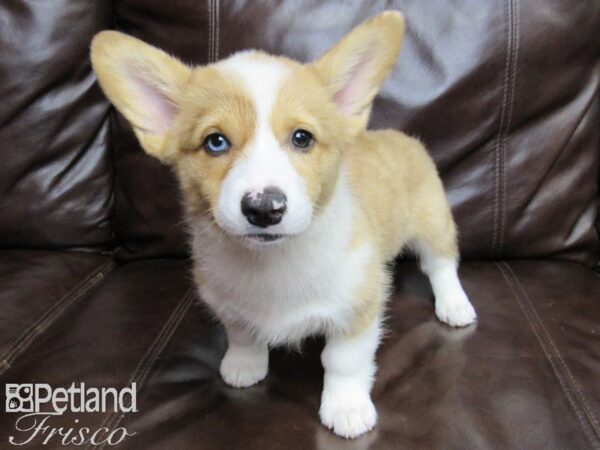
(500, 144)
(564, 365)
(509, 118)
(569, 385)
(51, 315)
(140, 373)
(217, 30)
(210, 30)
(496, 143)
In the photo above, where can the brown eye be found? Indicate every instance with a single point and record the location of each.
(302, 139)
(216, 144)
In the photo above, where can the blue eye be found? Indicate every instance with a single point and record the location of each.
(216, 144)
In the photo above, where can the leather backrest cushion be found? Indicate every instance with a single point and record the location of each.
(55, 170)
(148, 213)
(503, 93)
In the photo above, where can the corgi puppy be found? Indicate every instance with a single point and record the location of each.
(294, 207)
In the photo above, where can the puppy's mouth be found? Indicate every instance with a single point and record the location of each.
(265, 237)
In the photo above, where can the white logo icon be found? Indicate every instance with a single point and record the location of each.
(19, 398)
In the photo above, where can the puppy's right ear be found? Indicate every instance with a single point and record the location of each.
(144, 83)
(356, 67)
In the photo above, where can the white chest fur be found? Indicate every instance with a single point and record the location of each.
(289, 291)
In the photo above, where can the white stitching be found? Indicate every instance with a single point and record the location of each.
(217, 30)
(140, 373)
(210, 31)
(569, 386)
(506, 110)
(51, 315)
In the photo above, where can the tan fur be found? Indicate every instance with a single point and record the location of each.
(379, 40)
(215, 103)
(116, 59)
(400, 192)
(395, 182)
(302, 104)
(402, 199)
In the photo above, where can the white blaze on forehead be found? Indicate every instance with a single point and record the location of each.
(262, 78)
(264, 162)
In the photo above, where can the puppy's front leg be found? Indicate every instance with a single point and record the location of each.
(349, 364)
(246, 361)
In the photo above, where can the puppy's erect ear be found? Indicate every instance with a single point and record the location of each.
(144, 83)
(355, 68)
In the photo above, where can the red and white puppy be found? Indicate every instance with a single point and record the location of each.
(294, 207)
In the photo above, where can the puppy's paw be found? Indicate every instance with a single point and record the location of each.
(348, 415)
(455, 309)
(244, 366)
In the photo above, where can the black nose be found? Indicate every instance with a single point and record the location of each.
(265, 208)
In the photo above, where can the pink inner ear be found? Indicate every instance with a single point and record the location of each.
(349, 97)
(158, 110)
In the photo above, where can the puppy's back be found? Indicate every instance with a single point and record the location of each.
(396, 182)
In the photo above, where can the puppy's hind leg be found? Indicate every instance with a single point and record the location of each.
(451, 303)
(435, 243)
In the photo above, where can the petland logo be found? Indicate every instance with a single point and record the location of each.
(40, 403)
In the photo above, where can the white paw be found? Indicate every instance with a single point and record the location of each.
(348, 415)
(455, 309)
(244, 366)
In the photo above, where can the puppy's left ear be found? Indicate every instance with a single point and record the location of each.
(355, 68)
(144, 83)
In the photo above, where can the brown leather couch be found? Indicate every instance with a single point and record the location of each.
(94, 277)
